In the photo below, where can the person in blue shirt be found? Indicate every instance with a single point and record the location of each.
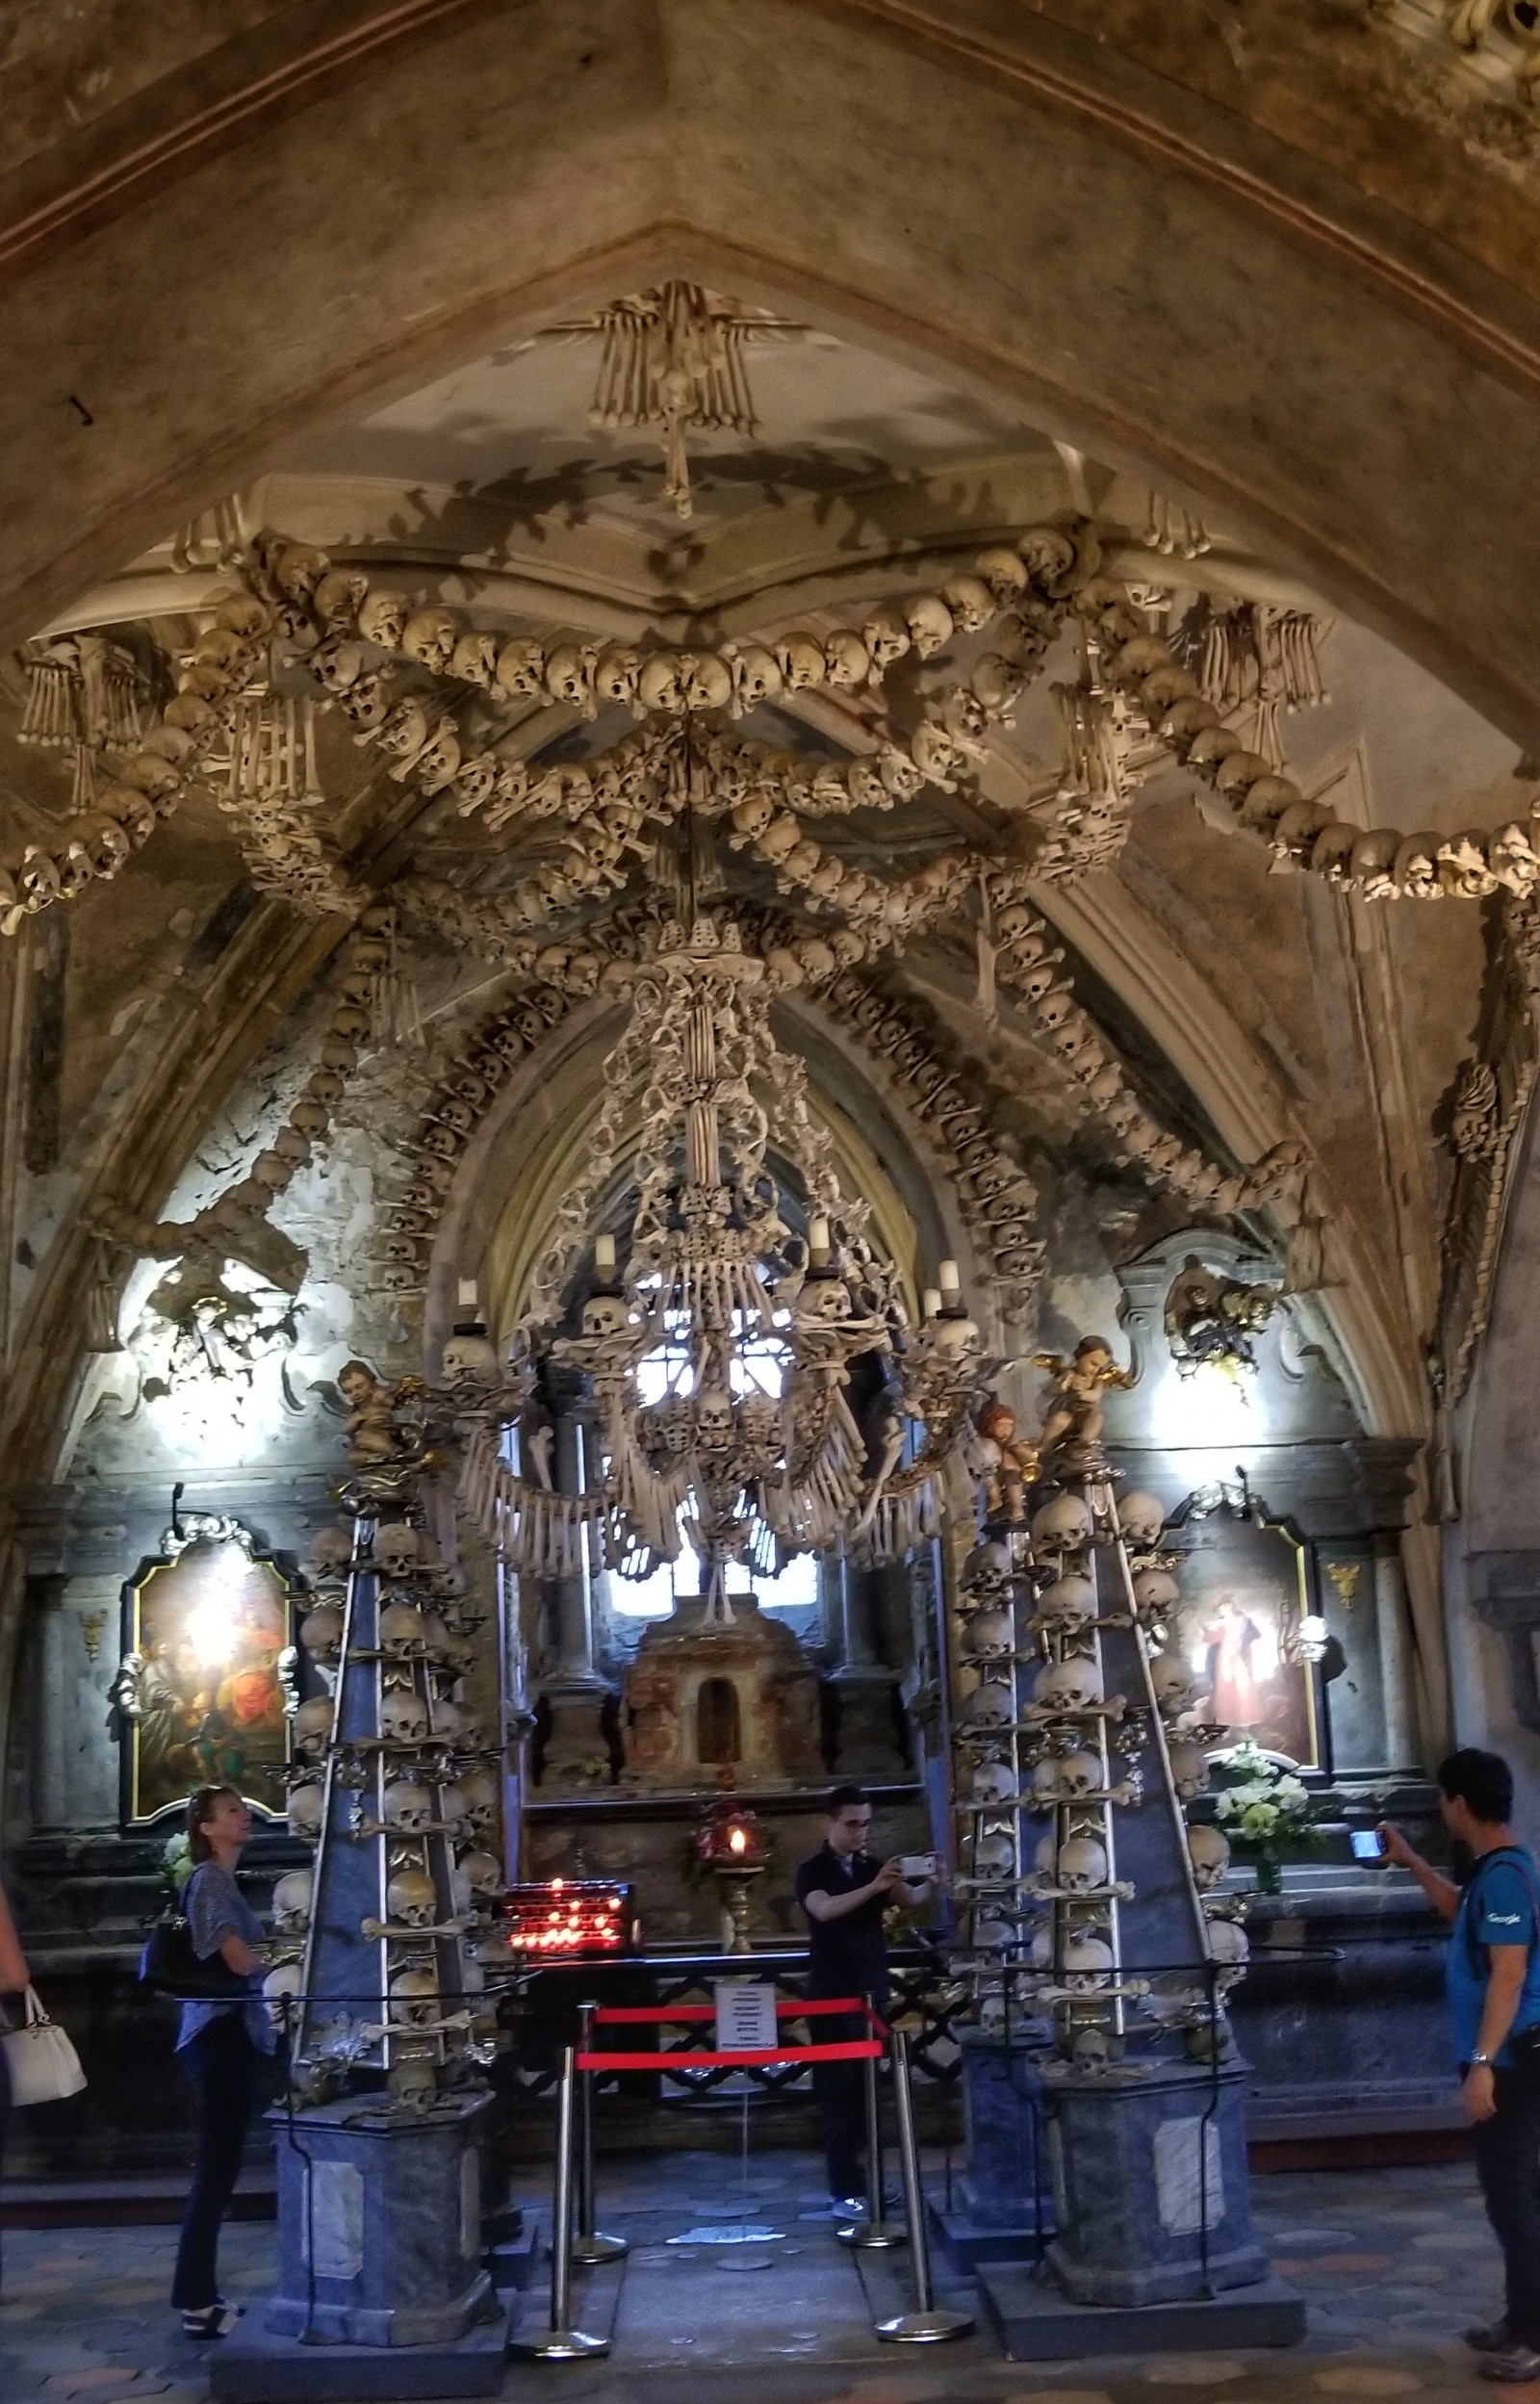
(1491, 1979)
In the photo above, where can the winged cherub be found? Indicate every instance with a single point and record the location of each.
(1076, 1414)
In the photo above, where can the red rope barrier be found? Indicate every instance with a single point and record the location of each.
(637, 2015)
(855, 2049)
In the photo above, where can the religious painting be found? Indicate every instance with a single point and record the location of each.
(1245, 1593)
(204, 1692)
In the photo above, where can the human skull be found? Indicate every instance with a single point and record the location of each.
(987, 1568)
(1062, 1525)
(1072, 1684)
(1077, 1775)
(756, 677)
(991, 1934)
(407, 1807)
(469, 1359)
(331, 1548)
(412, 2081)
(615, 673)
(605, 1314)
(970, 601)
(1003, 573)
(1210, 1852)
(382, 619)
(1190, 1772)
(886, 637)
(1081, 1865)
(930, 623)
(322, 1633)
(1228, 1942)
(990, 1705)
(400, 1631)
(1156, 1592)
(478, 1791)
(993, 1782)
(280, 1992)
(658, 685)
(304, 1813)
(397, 1548)
(847, 660)
(994, 1856)
(451, 1808)
(414, 1998)
(570, 678)
(410, 1901)
(800, 657)
(1069, 1602)
(291, 1902)
(1087, 1963)
(1171, 1678)
(483, 1872)
(1141, 1517)
(521, 670)
(448, 1720)
(313, 1723)
(988, 1631)
(430, 636)
(403, 1719)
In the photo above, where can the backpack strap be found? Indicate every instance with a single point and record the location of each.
(1473, 1949)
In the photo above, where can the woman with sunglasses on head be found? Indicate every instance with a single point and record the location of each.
(222, 2044)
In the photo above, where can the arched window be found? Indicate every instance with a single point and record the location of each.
(718, 1728)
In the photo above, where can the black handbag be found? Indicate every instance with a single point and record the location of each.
(170, 1966)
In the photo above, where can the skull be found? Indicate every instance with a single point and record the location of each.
(993, 1782)
(322, 1633)
(1190, 1772)
(1081, 1865)
(313, 1728)
(990, 1705)
(994, 1856)
(1087, 1963)
(469, 1359)
(1003, 573)
(400, 1631)
(280, 1992)
(291, 1902)
(902, 777)
(570, 678)
(887, 636)
(448, 1720)
(1156, 1592)
(930, 623)
(397, 1548)
(1141, 1517)
(988, 1631)
(658, 686)
(991, 1934)
(1072, 1684)
(750, 819)
(970, 601)
(403, 1719)
(438, 762)
(605, 1314)
(987, 1568)
(382, 619)
(415, 1999)
(408, 1807)
(474, 658)
(616, 671)
(823, 1300)
(412, 2081)
(521, 670)
(1069, 1602)
(1061, 1526)
(847, 662)
(705, 679)
(483, 1872)
(800, 657)
(304, 1813)
(1210, 1852)
(1227, 1941)
(410, 1901)
(430, 635)
(713, 1416)
(451, 1808)
(756, 677)
(479, 1795)
(1171, 1678)
(1077, 1775)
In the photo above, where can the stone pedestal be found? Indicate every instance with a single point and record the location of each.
(379, 2255)
(1002, 2207)
(1151, 2194)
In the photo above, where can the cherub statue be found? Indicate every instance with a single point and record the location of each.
(370, 1429)
(1076, 1415)
(1014, 1469)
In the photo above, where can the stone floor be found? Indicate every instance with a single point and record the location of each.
(1393, 2263)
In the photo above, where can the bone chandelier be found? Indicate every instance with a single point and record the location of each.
(717, 1358)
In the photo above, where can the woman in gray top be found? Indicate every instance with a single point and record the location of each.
(221, 2044)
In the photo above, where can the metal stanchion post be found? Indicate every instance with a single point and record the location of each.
(590, 2244)
(873, 2234)
(925, 2325)
(560, 2343)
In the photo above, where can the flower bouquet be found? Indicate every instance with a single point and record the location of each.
(1262, 1811)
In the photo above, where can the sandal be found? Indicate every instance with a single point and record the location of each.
(216, 2321)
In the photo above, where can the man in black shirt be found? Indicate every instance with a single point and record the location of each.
(844, 1892)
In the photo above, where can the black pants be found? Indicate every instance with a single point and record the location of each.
(224, 2062)
(1508, 2163)
(840, 2089)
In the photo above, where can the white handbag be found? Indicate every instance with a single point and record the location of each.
(43, 2064)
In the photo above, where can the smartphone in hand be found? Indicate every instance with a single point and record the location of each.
(1368, 1845)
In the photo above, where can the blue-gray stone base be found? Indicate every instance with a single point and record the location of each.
(379, 2224)
(259, 2366)
(1151, 2185)
(1038, 2324)
(965, 2242)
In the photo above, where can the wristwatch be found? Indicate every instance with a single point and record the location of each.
(1479, 2062)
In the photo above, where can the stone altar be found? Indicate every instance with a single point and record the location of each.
(720, 1701)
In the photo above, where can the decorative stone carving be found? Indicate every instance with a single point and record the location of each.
(705, 1699)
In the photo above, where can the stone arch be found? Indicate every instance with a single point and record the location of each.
(1258, 335)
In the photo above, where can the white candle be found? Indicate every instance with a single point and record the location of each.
(467, 1294)
(951, 1282)
(605, 1254)
(929, 1302)
(818, 1238)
